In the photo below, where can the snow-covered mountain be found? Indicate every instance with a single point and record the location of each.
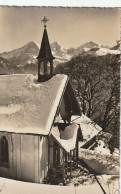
(60, 53)
(23, 60)
(93, 49)
(31, 48)
(83, 48)
(104, 51)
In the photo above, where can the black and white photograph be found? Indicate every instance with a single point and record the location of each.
(59, 100)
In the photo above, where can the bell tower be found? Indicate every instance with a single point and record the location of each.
(45, 57)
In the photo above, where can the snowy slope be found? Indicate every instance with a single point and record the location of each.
(105, 51)
(100, 50)
(100, 162)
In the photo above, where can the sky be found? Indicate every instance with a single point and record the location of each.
(71, 27)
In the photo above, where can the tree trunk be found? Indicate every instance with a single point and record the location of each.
(108, 107)
(83, 106)
(89, 110)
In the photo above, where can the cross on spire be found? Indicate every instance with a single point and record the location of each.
(44, 20)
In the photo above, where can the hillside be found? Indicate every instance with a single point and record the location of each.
(4, 65)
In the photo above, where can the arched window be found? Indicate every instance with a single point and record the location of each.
(42, 68)
(48, 68)
(3, 150)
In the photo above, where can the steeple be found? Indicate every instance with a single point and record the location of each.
(45, 57)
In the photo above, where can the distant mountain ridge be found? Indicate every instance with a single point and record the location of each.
(24, 59)
(84, 47)
(29, 48)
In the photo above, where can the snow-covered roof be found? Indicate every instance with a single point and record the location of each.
(66, 138)
(28, 106)
(88, 127)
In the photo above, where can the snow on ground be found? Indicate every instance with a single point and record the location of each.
(34, 56)
(83, 180)
(8, 186)
(116, 152)
(29, 62)
(109, 183)
(100, 162)
(101, 147)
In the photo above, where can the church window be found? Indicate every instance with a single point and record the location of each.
(42, 68)
(3, 150)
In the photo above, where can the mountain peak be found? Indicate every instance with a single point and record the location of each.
(30, 44)
(56, 48)
(29, 48)
(89, 44)
(55, 43)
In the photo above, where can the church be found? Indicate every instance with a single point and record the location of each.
(38, 137)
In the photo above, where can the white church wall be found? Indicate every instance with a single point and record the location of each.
(23, 157)
(27, 157)
(43, 158)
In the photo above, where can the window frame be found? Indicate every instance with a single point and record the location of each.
(5, 162)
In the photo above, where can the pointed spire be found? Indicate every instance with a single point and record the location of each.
(45, 57)
(45, 51)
